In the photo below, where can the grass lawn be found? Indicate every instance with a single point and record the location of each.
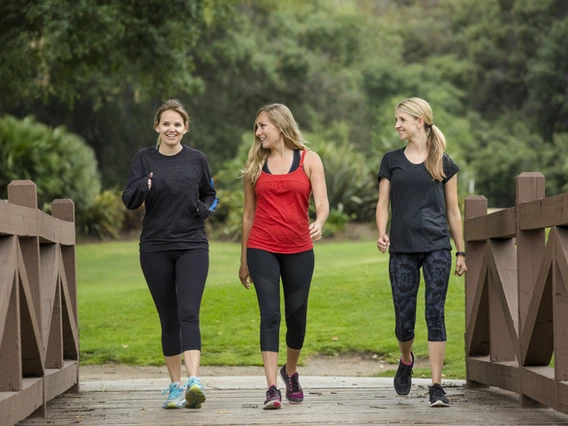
(350, 309)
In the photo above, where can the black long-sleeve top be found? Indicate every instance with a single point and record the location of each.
(181, 197)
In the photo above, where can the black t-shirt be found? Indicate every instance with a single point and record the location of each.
(418, 204)
(181, 198)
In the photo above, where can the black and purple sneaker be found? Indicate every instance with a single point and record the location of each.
(273, 399)
(294, 392)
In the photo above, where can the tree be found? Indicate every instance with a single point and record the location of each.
(65, 50)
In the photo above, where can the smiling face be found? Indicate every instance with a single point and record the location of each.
(266, 132)
(171, 128)
(406, 125)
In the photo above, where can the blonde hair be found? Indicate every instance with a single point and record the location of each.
(435, 140)
(170, 105)
(281, 116)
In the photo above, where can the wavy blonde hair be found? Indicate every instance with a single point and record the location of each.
(281, 116)
(170, 105)
(435, 139)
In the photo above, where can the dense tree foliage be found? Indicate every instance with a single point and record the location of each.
(493, 70)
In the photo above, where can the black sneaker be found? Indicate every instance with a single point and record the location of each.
(294, 392)
(438, 396)
(403, 377)
(273, 398)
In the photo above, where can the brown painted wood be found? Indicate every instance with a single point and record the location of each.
(544, 213)
(16, 406)
(10, 354)
(530, 243)
(477, 326)
(537, 339)
(57, 381)
(504, 343)
(476, 299)
(27, 222)
(38, 305)
(500, 224)
(33, 361)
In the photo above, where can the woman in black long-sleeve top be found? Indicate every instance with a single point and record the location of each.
(175, 185)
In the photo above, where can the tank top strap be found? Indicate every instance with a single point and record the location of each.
(304, 151)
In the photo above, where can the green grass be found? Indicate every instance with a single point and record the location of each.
(350, 309)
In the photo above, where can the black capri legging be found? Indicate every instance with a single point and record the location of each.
(176, 279)
(404, 270)
(296, 270)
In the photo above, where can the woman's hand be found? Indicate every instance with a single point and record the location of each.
(316, 231)
(244, 276)
(461, 267)
(383, 243)
(150, 176)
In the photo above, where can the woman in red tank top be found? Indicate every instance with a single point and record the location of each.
(280, 175)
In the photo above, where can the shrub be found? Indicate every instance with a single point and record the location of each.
(103, 219)
(60, 163)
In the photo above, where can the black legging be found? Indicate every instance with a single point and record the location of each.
(404, 270)
(296, 270)
(176, 279)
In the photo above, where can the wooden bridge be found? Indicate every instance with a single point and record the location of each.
(516, 323)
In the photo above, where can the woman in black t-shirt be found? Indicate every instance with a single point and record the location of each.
(419, 183)
(174, 183)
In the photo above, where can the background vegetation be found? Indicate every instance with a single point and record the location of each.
(494, 72)
(350, 309)
(80, 82)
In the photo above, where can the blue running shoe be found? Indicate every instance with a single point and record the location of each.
(176, 398)
(194, 393)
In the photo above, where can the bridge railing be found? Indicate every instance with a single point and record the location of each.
(517, 295)
(39, 337)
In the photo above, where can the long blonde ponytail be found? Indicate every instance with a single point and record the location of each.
(435, 139)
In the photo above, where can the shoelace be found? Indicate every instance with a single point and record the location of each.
(272, 392)
(438, 391)
(294, 383)
(405, 372)
(173, 390)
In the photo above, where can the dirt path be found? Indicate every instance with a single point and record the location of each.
(345, 365)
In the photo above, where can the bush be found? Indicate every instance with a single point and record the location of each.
(104, 218)
(57, 161)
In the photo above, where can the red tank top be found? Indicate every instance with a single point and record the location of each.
(281, 218)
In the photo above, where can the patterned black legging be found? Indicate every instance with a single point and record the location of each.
(404, 271)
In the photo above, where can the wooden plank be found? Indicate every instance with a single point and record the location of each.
(10, 347)
(475, 205)
(544, 213)
(61, 380)
(31, 343)
(503, 303)
(16, 406)
(477, 332)
(48, 274)
(560, 309)
(8, 256)
(537, 333)
(322, 406)
(27, 222)
(501, 224)
(505, 375)
(54, 352)
(69, 302)
(539, 384)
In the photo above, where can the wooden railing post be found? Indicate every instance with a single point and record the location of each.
(474, 205)
(530, 252)
(64, 209)
(530, 244)
(24, 193)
